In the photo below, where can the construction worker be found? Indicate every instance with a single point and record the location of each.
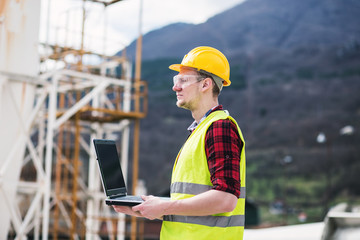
(208, 179)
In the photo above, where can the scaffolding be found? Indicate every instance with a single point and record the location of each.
(71, 109)
(59, 194)
(100, 107)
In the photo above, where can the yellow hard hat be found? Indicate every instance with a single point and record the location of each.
(208, 60)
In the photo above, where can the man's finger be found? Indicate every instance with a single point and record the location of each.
(138, 208)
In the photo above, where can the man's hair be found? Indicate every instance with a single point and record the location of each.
(215, 90)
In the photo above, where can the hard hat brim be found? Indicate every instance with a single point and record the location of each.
(175, 67)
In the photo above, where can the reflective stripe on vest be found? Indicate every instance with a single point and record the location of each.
(194, 188)
(210, 221)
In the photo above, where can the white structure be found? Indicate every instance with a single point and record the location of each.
(19, 66)
(35, 112)
(342, 222)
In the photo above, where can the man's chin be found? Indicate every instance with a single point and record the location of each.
(182, 104)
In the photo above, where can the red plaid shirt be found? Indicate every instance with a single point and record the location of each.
(223, 148)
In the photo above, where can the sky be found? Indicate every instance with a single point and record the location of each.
(118, 24)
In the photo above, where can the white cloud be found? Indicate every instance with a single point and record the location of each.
(159, 13)
(121, 20)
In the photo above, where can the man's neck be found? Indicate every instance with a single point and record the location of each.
(198, 113)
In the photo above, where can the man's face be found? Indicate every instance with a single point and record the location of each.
(186, 86)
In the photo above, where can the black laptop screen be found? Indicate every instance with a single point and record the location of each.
(110, 165)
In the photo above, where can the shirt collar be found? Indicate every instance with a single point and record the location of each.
(195, 124)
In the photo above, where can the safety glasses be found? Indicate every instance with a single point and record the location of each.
(184, 81)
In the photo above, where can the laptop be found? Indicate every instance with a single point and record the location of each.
(111, 174)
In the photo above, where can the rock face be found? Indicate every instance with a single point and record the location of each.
(260, 24)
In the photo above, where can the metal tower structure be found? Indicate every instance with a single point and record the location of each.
(49, 181)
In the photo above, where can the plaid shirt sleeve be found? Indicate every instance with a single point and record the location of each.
(223, 148)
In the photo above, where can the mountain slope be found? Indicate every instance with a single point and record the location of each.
(295, 72)
(260, 24)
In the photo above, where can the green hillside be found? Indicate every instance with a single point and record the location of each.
(295, 72)
(282, 100)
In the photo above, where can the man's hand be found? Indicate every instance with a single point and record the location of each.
(151, 208)
(127, 210)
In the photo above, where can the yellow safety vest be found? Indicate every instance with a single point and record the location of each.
(191, 176)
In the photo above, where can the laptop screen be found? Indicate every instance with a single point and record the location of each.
(110, 168)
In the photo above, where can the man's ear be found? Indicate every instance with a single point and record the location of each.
(206, 84)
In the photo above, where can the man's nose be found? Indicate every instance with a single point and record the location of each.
(176, 88)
